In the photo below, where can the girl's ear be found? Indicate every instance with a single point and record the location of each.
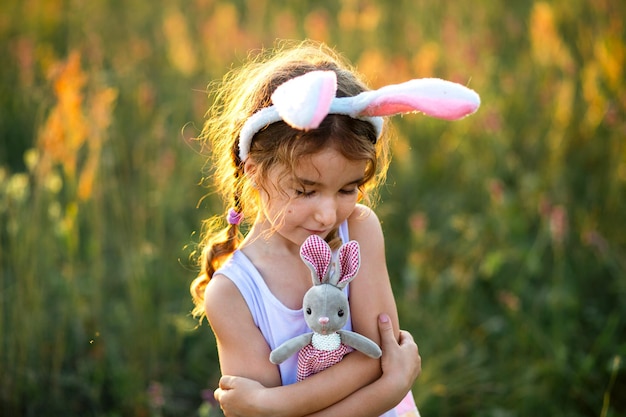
(249, 167)
(250, 170)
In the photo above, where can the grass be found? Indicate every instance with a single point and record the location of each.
(505, 231)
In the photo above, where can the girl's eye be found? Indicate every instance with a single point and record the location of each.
(351, 191)
(311, 193)
(304, 193)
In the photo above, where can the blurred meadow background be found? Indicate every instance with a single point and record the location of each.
(506, 231)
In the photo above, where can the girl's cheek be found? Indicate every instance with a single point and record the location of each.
(347, 209)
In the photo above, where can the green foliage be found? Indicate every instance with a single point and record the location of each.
(505, 231)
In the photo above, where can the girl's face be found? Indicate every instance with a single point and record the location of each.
(321, 195)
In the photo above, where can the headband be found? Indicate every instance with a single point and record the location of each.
(303, 102)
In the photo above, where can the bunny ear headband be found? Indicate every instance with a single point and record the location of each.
(303, 102)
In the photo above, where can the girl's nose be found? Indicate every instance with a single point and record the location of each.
(326, 212)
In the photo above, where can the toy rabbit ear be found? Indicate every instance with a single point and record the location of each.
(317, 255)
(348, 262)
(303, 102)
(432, 96)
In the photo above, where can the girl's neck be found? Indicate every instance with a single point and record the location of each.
(262, 240)
(278, 261)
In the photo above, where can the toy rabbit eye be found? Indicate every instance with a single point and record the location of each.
(308, 311)
(340, 313)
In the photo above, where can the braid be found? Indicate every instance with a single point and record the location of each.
(215, 253)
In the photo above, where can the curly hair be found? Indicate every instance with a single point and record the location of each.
(244, 91)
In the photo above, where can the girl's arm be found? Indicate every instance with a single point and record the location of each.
(241, 347)
(370, 291)
(401, 364)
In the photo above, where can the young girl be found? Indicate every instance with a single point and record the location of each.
(295, 153)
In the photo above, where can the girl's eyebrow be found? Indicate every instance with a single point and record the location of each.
(305, 181)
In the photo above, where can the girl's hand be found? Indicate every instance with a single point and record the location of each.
(401, 361)
(240, 397)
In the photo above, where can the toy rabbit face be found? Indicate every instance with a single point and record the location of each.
(326, 309)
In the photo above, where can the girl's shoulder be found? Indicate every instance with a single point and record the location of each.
(363, 216)
(223, 299)
(364, 224)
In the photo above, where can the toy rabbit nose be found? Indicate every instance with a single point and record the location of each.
(323, 320)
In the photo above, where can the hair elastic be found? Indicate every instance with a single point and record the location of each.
(234, 217)
(303, 102)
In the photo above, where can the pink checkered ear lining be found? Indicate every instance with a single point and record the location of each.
(349, 261)
(317, 255)
(303, 102)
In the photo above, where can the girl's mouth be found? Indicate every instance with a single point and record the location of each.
(320, 233)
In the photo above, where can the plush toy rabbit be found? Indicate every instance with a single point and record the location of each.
(326, 310)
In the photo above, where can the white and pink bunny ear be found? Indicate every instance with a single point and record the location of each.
(432, 96)
(303, 102)
(317, 256)
(348, 263)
